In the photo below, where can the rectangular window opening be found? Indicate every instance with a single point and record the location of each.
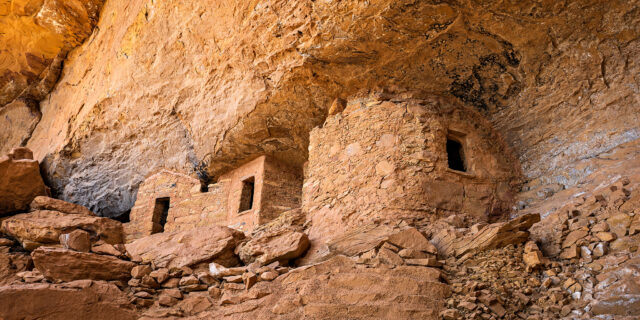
(455, 155)
(160, 213)
(246, 196)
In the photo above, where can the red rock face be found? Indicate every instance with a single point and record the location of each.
(187, 248)
(156, 100)
(36, 37)
(83, 299)
(45, 227)
(57, 264)
(546, 104)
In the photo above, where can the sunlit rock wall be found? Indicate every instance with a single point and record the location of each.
(209, 83)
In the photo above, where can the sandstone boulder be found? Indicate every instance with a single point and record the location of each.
(47, 203)
(67, 265)
(187, 248)
(280, 245)
(78, 240)
(76, 300)
(497, 235)
(140, 271)
(105, 248)
(45, 227)
(20, 183)
(411, 238)
(350, 243)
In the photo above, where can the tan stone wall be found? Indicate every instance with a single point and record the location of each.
(277, 189)
(247, 219)
(189, 207)
(282, 191)
(385, 161)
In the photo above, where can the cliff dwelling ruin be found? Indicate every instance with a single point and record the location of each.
(250, 195)
(276, 159)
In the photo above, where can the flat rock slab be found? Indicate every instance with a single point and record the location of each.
(274, 246)
(45, 227)
(411, 238)
(187, 248)
(76, 300)
(47, 203)
(497, 235)
(67, 265)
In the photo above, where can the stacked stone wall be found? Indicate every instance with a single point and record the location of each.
(381, 161)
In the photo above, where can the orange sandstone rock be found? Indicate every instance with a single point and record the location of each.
(68, 265)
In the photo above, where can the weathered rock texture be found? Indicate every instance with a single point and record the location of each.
(213, 83)
(19, 119)
(12, 263)
(187, 248)
(274, 189)
(36, 37)
(48, 203)
(76, 300)
(45, 227)
(339, 288)
(281, 245)
(380, 161)
(20, 181)
(68, 265)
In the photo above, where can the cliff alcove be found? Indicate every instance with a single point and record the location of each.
(319, 159)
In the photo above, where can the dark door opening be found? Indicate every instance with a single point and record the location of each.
(455, 155)
(246, 196)
(160, 213)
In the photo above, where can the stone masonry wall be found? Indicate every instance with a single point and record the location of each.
(248, 219)
(189, 207)
(386, 160)
(283, 190)
(277, 189)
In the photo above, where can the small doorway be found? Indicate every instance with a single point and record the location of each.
(455, 155)
(246, 195)
(160, 213)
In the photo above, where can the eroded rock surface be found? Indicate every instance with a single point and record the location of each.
(36, 37)
(68, 265)
(157, 100)
(187, 248)
(45, 227)
(76, 300)
(336, 288)
(281, 245)
(20, 181)
(48, 203)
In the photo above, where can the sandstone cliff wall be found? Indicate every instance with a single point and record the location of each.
(180, 84)
(35, 39)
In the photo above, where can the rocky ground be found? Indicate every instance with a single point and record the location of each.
(58, 260)
(579, 263)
